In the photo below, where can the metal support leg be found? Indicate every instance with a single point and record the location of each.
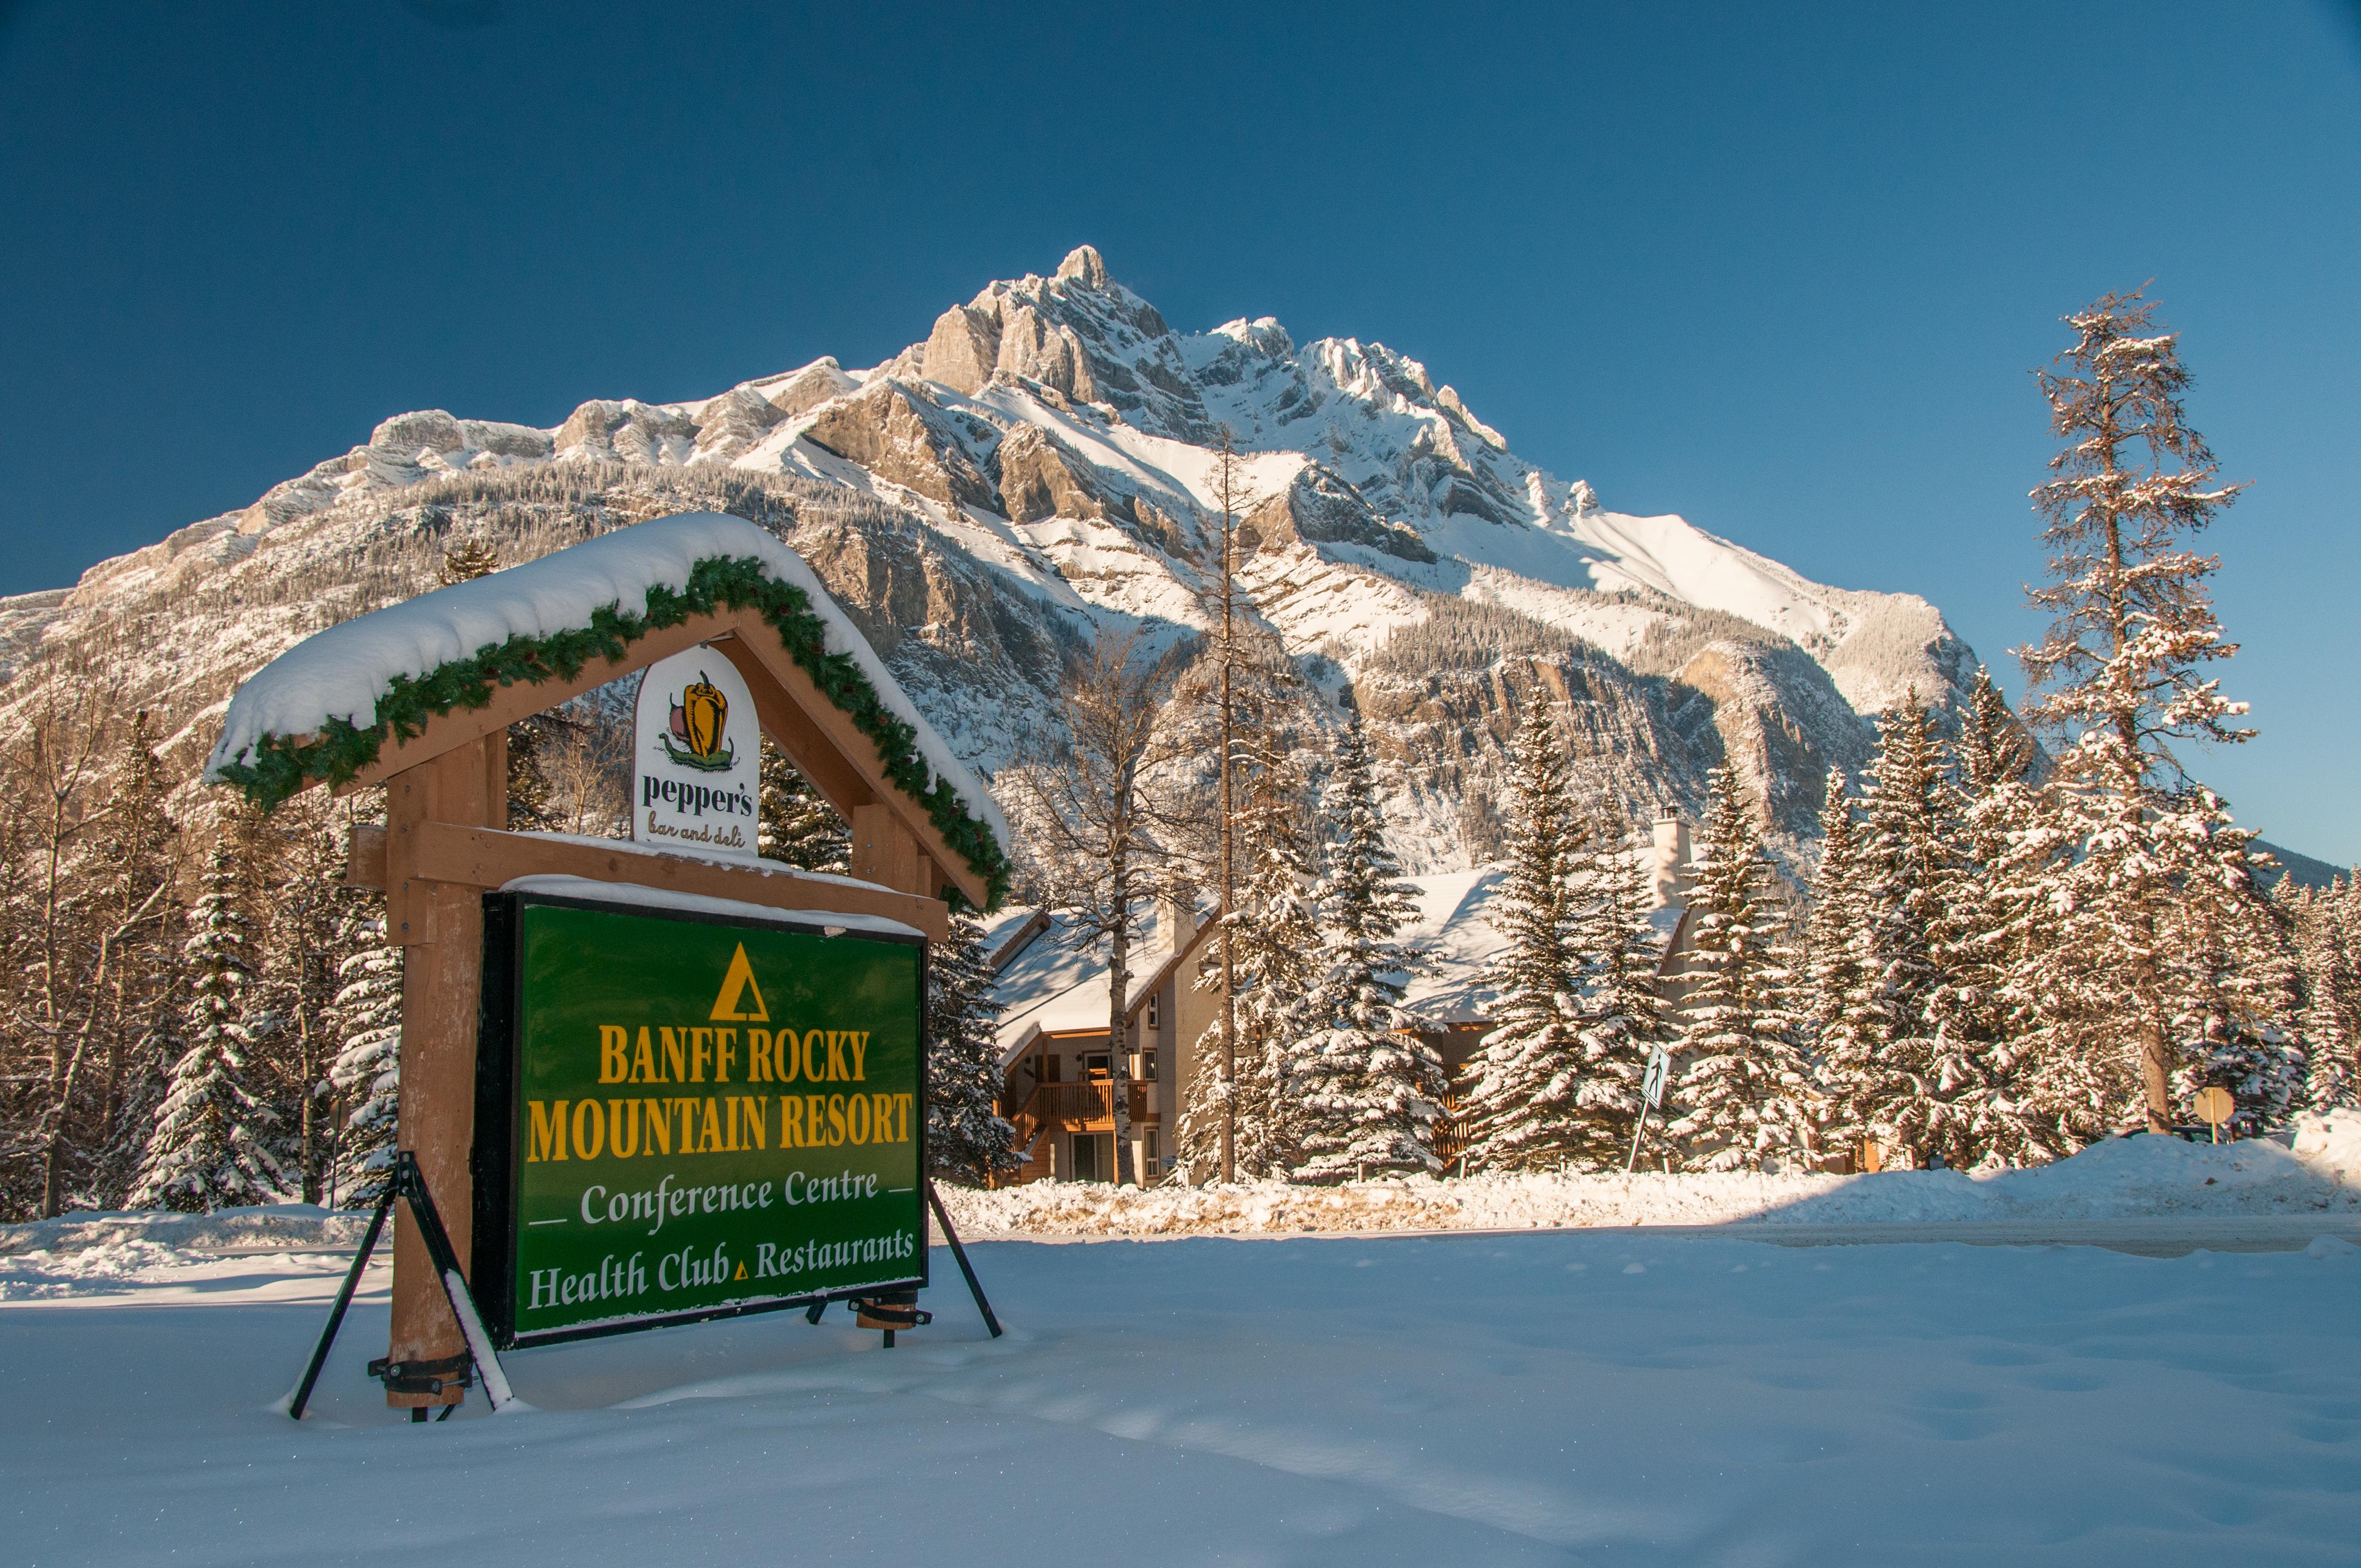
(344, 1300)
(410, 1184)
(974, 1288)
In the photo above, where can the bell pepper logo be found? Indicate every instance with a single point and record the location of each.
(701, 717)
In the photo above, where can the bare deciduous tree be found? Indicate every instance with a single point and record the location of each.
(1098, 823)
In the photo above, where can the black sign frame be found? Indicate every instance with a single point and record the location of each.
(500, 1111)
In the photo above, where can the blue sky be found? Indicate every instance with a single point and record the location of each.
(1783, 269)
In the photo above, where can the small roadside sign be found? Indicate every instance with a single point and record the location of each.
(2215, 1106)
(1653, 1086)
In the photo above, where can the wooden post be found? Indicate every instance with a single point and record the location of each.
(884, 852)
(441, 928)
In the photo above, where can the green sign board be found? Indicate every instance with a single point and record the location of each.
(684, 1115)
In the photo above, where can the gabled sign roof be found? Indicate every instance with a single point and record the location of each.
(367, 698)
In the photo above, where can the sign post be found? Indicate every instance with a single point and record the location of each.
(1652, 1095)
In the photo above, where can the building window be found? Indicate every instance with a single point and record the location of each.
(1149, 1162)
(1147, 1063)
(1151, 1010)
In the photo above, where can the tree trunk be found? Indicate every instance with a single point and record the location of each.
(1229, 860)
(1118, 1036)
(2156, 1074)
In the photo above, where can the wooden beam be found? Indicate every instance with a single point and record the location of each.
(884, 854)
(758, 638)
(481, 858)
(365, 857)
(796, 734)
(462, 726)
(441, 977)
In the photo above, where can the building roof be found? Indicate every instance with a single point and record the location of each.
(1054, 980)
(1049, 985)
(1455, 942)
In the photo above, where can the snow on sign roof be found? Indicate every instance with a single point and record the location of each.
(339, 684)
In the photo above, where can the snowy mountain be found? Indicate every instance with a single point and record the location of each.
(1042, 464)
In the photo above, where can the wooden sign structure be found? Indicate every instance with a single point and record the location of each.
(445, 844)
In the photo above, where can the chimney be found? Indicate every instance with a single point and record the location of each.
(1670, 880)
(1176, 919)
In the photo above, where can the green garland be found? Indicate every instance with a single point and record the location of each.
(282, 764)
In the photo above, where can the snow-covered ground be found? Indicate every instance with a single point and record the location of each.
(1596, 1396)
(2318, 1173)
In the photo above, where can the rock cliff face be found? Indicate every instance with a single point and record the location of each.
(1042, 466)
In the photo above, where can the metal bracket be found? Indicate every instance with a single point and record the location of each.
(425, 1377)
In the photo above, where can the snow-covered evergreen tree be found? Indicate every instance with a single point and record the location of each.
(2332, 990)
(297, 984)
(136, 865)
(1370, 1092)
(1744, 1089)
(1836, 943)
(1523, 1102)
(1911, 815)
(800, 828)
(1622, 1014)
(967, 1140)
(214, 1140)
(1898, 1074)
(368, 1071)
(1277, 945)
(1988, 923)
(2122, 681)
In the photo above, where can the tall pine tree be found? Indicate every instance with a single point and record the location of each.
(1523, 1103)
(967, 1140)
(1275, 947)
(1745, 1089)
(2122, 680)
(1370, 1091)
(214, 1139)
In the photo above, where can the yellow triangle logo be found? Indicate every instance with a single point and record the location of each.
(741, 1275)
(730, 1006)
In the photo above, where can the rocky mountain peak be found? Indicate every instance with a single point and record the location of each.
(1085, 265)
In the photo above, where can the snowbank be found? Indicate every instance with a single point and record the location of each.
(341, 672)
(72, 1255)
(2120, 1179)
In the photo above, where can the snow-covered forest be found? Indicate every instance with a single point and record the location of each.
(2014, 933)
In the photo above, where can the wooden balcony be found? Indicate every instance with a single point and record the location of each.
(1084, 1107)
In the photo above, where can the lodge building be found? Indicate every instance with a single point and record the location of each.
(1056, 1066)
